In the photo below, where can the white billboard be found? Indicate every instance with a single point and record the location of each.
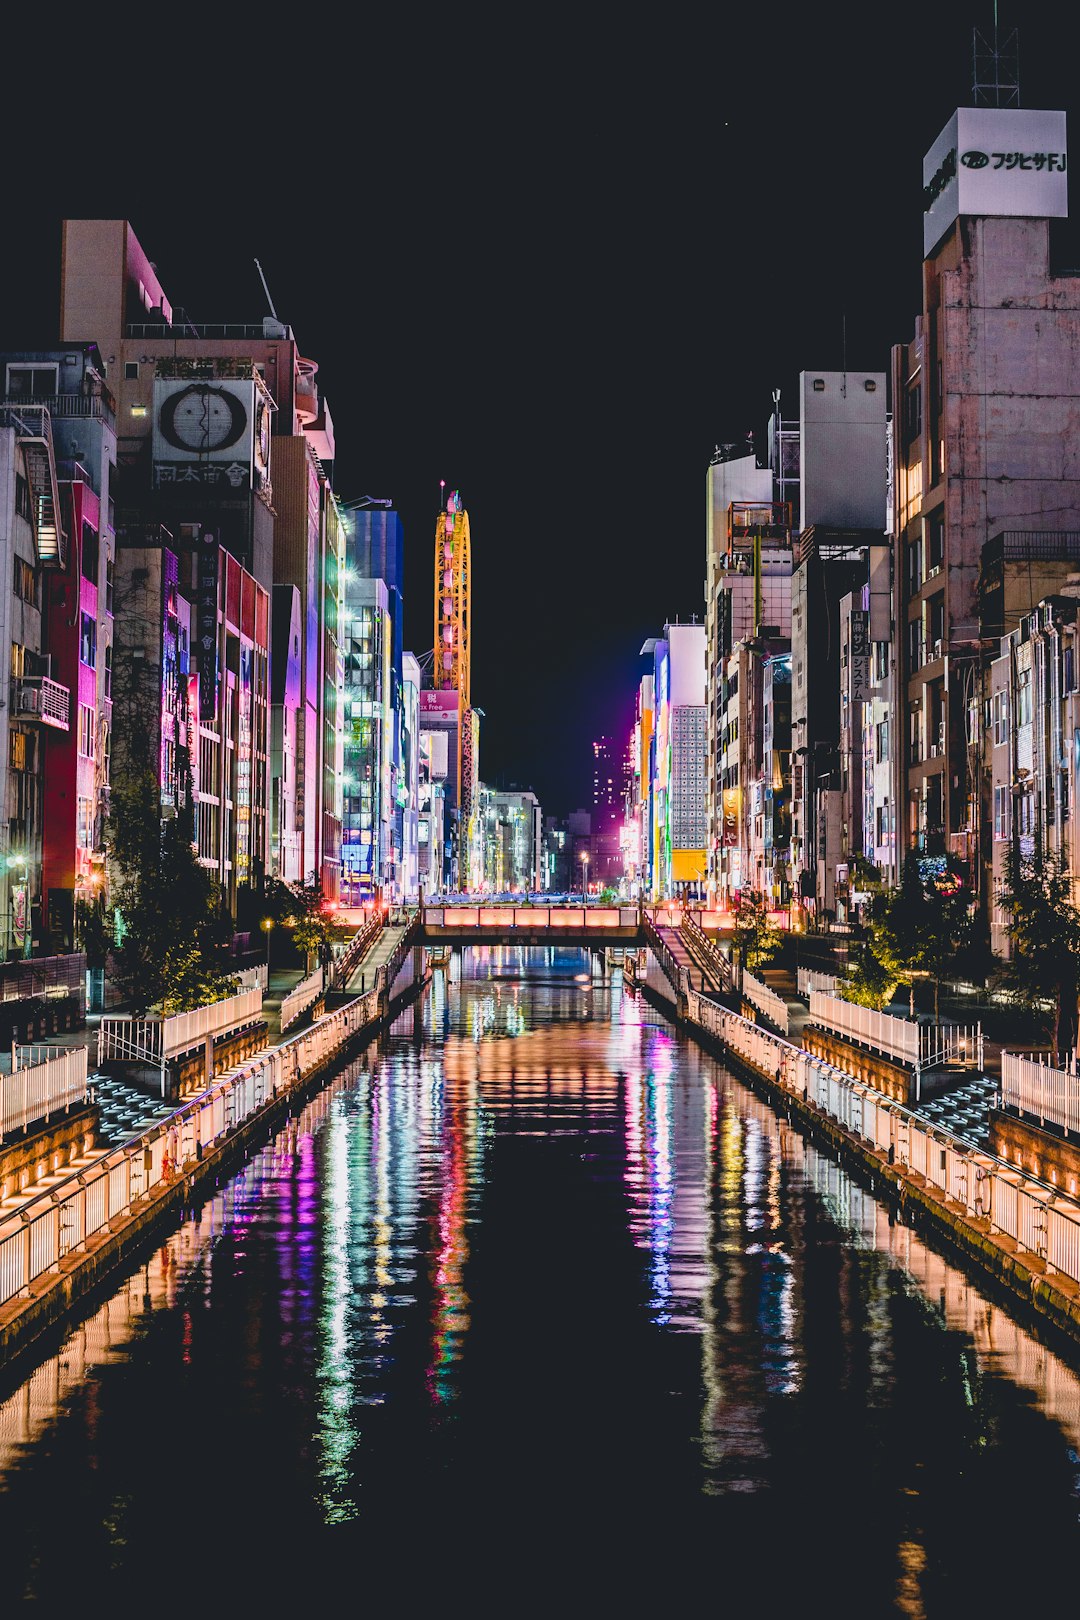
(210, 431)
(995, 161)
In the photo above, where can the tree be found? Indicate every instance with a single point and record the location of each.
(897, 924)
(172, 930)
(756, 939)
(1044, 932)
(918, 930)
(867, 981)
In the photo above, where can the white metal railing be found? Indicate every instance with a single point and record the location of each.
(298, 1000)
(1040, 1219)
(156, 1040)
(766, 1001)
(808, 979)
(918, 1045)
(1033, 1086)
(39, 1228)
(44, 1081)
(254, 978)
(896, 1037)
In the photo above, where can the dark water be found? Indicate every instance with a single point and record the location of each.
(537, 1310)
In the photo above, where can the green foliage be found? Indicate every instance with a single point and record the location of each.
(172, 930)
(176, 930)
(756, 938)
(867, 982)
(1043, 970)
(920, 929)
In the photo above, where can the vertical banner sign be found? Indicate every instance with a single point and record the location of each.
(207, 625)
(20, 910)
(860, 657)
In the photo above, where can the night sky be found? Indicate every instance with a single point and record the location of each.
(553, 259)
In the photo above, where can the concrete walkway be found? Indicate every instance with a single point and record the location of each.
(379, 952)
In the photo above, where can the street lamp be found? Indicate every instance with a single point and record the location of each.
(585, 876)
(267, 924)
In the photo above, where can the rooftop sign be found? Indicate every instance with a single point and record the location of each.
(995, 161)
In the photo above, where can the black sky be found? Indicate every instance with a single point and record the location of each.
(552, 260)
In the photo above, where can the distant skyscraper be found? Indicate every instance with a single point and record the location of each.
(607, 785)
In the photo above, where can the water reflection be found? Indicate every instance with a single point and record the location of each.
(534, 1263)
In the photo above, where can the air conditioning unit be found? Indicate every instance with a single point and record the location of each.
(28, 700)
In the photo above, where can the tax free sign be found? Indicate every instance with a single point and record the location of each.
(995, 161)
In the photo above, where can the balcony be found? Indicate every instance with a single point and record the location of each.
(38, 697)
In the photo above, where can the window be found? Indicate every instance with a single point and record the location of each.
(84, 832)
(88, 642)
(999, 717)
(32, 382)
(17, 742)
(108, 584)
(25, 582)
(915, 644)
(881, 741)
(87, 731)
(108, 670)
(1001, 813)
(131, 371)
(89, 553)
(18, 661)
(935, 545)
(1023, 697)
(22, 497)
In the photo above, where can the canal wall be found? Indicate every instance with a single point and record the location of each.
(1020, 1232)
(79, 1229)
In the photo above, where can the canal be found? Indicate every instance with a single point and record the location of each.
(536, 1308)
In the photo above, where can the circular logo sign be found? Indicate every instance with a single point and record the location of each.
(974, 160)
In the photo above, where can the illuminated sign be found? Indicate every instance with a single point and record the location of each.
(995, 161)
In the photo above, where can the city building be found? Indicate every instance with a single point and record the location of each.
(59, 396)
(748, 592)
(985, 481)
(513, 849)
(202, 409)
(367, 849)
(678, 759)
(841, 545)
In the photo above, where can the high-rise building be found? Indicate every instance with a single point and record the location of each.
(202, 411)
(986, 485)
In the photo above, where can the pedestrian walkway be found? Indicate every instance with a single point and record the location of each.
(377, 954)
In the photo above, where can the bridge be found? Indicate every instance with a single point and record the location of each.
(530, 925)
(674, 952)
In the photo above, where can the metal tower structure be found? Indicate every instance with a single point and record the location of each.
(452, 565)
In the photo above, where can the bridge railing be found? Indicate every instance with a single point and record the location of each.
(531, 918)
(343, 969)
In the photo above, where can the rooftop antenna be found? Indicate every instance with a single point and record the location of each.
(995, 67)
(266, 290)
